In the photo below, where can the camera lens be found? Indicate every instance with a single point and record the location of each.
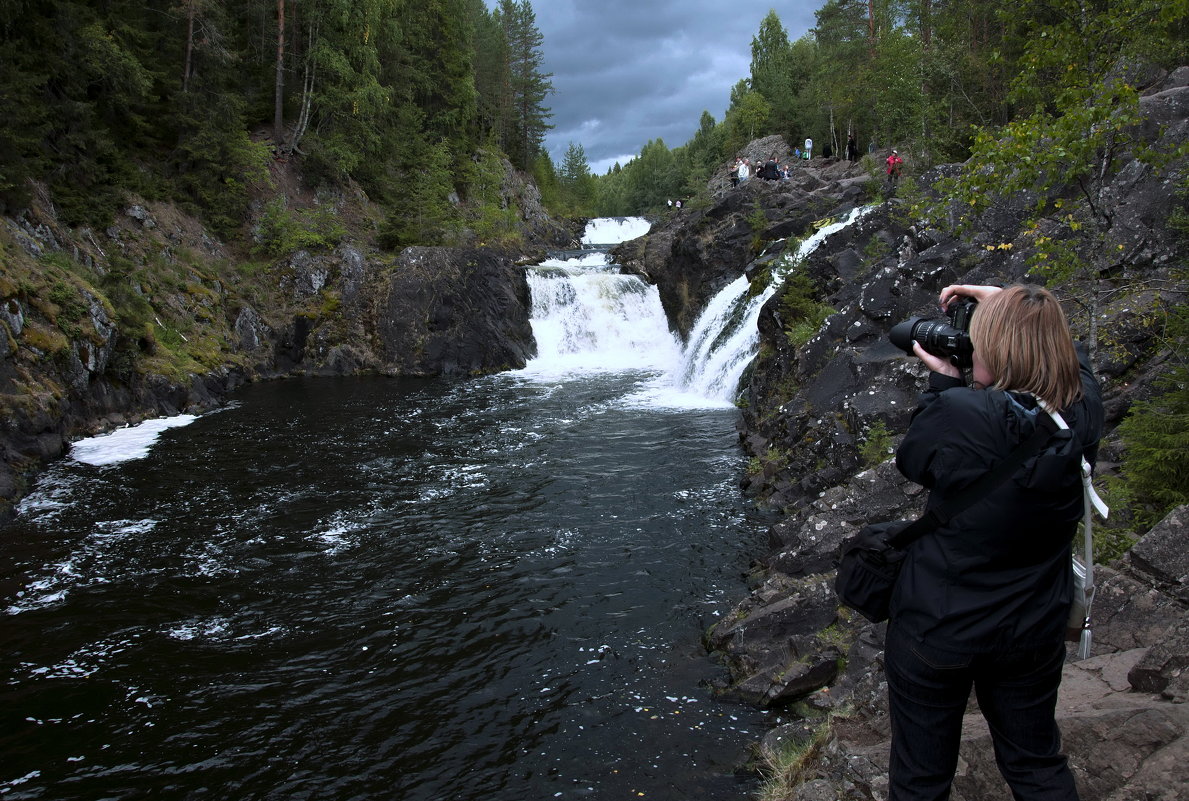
(936, 336)
(903, 334)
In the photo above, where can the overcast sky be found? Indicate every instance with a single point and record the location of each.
(629, 71)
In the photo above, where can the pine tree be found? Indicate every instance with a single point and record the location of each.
(770, 55)
(528, 85)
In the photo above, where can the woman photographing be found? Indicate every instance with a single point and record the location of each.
(982, 602)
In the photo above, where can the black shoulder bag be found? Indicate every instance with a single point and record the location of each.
(869, 562)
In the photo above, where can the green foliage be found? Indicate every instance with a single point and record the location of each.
(527, 87)
(176, 101)
(222, 162)
(785, 766)
(576, 183)
(1156, 436)
(1178, 217)
(876, 445)
(66, 297)
(747, 119)
(801, 313)
(426, 214)
(283, 230)
(875, 249)
(488, 217)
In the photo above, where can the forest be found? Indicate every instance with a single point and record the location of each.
(942, 80)
(416, 101)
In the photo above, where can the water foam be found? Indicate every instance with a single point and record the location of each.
(613, 230)
(133, 442)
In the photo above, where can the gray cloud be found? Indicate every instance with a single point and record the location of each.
(626, 72)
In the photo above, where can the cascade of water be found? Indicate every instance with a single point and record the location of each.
(588, 317)
(613, 230)
(725, 336)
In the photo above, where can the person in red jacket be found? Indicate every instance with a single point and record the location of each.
(894, 163)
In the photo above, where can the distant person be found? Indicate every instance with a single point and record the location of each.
(784, 172)
(797, 153)
(735, 173)
(894, 164)
(744, 170)
(808, 149)
(852, 148)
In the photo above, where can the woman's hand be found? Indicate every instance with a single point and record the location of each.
(935, 363)
(976, 291)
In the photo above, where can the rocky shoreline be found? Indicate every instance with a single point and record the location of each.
(821, 417)
(345, 310)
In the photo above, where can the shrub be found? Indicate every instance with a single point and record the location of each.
(1156, 437)
(1156, 462)
(282, 230)
(876, 445)
(803, 316)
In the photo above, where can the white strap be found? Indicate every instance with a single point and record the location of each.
(1092, 497)
(1092, 503)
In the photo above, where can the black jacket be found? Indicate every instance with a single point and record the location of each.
(996, 577)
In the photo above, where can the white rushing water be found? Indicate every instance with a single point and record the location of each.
(725, 336)
(613, 230)
(587, 317)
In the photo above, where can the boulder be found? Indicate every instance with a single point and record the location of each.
(1161, 555)
(1128, 613)
(1163, 667)
(454, 311)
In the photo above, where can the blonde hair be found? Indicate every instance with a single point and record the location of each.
(1022, 337)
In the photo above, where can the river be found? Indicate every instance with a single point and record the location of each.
(378, 588)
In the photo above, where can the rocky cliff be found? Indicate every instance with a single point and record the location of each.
(821, 414)
(155, 315)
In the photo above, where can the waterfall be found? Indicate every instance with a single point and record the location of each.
(725, 336)
(587, 317)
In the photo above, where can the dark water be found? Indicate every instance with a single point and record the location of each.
(382, 589)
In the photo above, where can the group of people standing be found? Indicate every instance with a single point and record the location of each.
(771, 170)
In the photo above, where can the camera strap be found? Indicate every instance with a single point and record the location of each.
(1093, 503)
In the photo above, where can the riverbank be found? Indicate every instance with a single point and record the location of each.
(826, 400)
(154, 315)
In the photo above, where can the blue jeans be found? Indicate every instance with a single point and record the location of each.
(928, 690)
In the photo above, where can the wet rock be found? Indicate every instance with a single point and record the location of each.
(250, 330)
(455, 311)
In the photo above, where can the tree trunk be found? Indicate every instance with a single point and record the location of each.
(871, 29)
(278, 120)
(189, 45)
(307, 97)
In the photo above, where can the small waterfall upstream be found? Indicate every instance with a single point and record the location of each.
(588, 317)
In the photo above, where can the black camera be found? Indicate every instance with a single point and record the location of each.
(938, 337)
